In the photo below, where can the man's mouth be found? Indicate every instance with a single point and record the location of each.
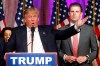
(32, 24)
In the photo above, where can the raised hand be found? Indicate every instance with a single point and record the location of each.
(81, 22)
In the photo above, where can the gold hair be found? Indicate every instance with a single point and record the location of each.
(26, 11)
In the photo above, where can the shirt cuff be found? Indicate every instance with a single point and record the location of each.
(64, 57)
(77, 29)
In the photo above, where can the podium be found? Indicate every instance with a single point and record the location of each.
(31, 59)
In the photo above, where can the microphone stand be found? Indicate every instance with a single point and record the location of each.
(32, 35)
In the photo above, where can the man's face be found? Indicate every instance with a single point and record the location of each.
(75, 13)
(31, 19)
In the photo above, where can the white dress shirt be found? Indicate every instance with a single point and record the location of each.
(37, 44)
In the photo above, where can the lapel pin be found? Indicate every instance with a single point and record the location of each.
(43, 32)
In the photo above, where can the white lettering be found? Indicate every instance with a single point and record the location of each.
(47, 60)
(30, 61)
(13, 59)
(21, 60)
(39, 60)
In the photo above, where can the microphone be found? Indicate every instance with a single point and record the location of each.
(32, 35)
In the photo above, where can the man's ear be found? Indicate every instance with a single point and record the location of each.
(24, 21)
(68, 14)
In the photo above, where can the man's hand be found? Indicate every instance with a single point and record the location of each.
(7, 53)
(81, 59)
(70, 59)
(81, 22)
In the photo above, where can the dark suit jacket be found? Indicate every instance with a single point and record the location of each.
(87, 42)
(18, 40)
(2, 52)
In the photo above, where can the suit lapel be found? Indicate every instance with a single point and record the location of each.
(81, 37)
(24, 37)
(43, 37)
(70, 42)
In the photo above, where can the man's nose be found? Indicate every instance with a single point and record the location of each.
(32, 19)
(74, 12)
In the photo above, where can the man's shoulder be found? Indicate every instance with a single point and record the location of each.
(19, 27)
(64, 27)
(45, 26)
(87, 26)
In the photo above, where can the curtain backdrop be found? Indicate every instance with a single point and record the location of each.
(10, 8)
(44, 6)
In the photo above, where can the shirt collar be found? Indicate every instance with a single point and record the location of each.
(28, 29)
(71, 23)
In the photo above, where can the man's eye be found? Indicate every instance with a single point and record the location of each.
(29, 16)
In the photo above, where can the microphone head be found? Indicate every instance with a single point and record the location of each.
(32, 29)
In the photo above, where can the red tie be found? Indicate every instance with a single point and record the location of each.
(75, 45)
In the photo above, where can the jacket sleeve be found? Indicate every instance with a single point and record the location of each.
(65, 33)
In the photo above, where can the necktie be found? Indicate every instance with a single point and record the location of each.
(75, 45)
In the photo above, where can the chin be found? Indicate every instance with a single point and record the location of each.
(74, 21)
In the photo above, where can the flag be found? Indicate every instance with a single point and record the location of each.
(19, 14)
(2, 18)
(97, 22)
(94, 20)
(59, 13)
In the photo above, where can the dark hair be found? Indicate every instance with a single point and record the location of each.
(3, 30)
(75, 4)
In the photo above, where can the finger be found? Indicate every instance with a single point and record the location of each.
(71, 61)
(81, 18)
(85, 19)
(13, 52)
(80, 61)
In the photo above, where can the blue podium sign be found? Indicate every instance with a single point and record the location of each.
(31, 59)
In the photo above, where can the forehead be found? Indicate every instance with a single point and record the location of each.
(7, 31)
(75, 8)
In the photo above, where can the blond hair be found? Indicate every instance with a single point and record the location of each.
(27, 10)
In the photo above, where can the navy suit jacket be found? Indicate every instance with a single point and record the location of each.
(2, 52)
(48, 36)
